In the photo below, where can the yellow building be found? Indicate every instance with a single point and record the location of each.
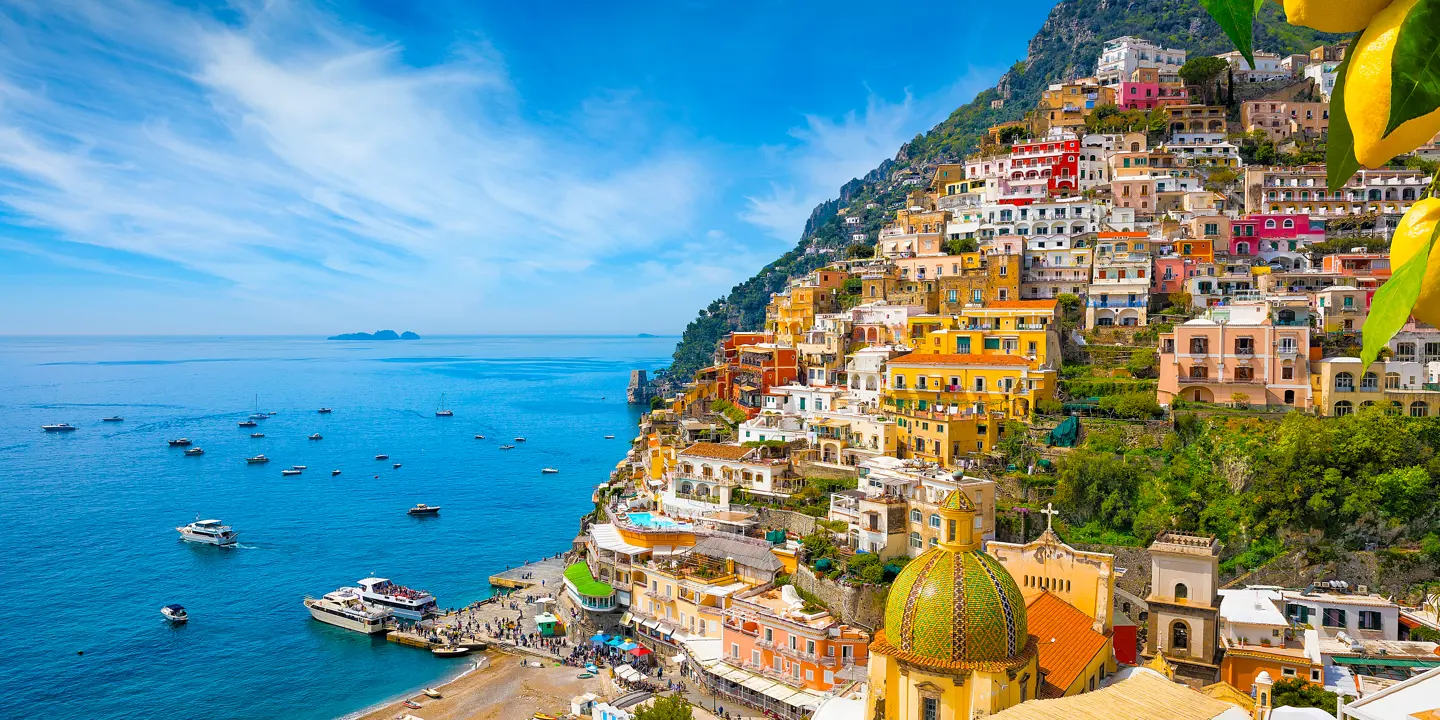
(791, 313)
(956, 383)
(1343, 385)
(1028, 328)
(956, 642)
(688, 595)
(1066, 105)
(1083, 580)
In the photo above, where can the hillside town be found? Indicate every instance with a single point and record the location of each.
(839, 517)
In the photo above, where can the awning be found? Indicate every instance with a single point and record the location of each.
(778, 692)
(648, 624)
(1386, 662)
(628, 646)
(640, 651)
(625, 619)
(599, 638)
(757, 683)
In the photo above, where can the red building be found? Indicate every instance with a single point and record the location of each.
(1055, 158)
(752, 365)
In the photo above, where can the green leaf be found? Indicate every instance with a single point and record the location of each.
(1415, 66)
(1391, 306)
(1237, 19)
(1340, 160)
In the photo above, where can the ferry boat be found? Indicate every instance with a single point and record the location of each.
(548, 471)
(382, 456)
(423, 509)
(192, 452)
(247, 423)
(325, 411)
(345, 608)
(290, 472)
(58, 427)
(207, 532)
(443, 411)
(400, 600)
(181, 442)
(113, 418)
(257, 460)
(317, 436)
(175, 613)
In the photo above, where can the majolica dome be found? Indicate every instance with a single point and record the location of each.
(955, 605)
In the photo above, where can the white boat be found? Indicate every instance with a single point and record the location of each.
(58, 427)
(257, 435)
(432, 693)
(113, 418)
(257, 460)
(192, 452)
(400, 600)
(345, 608)
(317, 436)
(382, 456)
(609, 437)
(479, 437)
(507, 447)
(548, 471)
(325, 411)
(519, 439)
(423, 509)
(450, 651)
(179, 442)
(289, 472)
(443, 411)
(207, 532)
(396, 466)
(299, 467)
(334, 472)
(175, 613)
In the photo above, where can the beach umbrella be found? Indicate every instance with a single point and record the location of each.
(640, 651)
(614, 642)
(599, 638)
(628, 646)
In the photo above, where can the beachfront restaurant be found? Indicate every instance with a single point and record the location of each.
(751, 689)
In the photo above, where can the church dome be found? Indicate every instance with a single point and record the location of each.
(955, 605)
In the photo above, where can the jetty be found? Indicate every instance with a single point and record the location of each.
(548, 573)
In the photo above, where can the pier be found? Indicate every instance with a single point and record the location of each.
(548, 574)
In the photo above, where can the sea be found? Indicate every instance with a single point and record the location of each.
(89, 552)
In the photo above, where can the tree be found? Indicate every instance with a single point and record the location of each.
(860, 251)
(672, 707)
(960, 245)
(1203, 71)
(1133, 405)
(1143, 363)
(1008, 135)
(1069, 305)
(1295, 692)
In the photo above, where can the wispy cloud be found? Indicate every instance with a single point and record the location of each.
(828, 152)
(282, 146)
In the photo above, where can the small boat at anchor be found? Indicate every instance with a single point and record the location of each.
(257, 435)
(548, 471)
(519, 439)
(450, 651)
(423, 509)
(113, 418)
(317, 436)
(291, 472)
(192, 452)
(179, 442)
(382, 456)
(175, 613)
(324, 411)
(479, 437)
(396, 466)
(257, 460)
(609, 437)
(507, 447)
(58, 427)
(443, 411)
(247, 423)
(334, 473)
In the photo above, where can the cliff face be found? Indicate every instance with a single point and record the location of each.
(1066, 47)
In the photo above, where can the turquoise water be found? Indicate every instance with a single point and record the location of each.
(645, 519)
(87, 541)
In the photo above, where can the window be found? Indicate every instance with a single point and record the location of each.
(930, 709)
(935, 521)
(1344, 382)
(1199, 346)
(914, 539)
(1392, 381)
(1343, 408)
(1370, 381)
(1371, 620)
(915, 516)
(734, 650)
(1245, 373)
(1419, 409)
(1179, 636)
(1181, 592)
(1331, 617)
(769, 635)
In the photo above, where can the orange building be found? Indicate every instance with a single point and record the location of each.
(751, 368)
(770, 634)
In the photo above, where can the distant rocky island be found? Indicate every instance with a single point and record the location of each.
(377, 335)
(647, 335)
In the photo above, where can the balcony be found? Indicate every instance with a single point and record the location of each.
(698, 498)
(1185, 380)
(1094, 303)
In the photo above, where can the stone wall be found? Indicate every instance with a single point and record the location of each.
(860, 606)
(776, 519)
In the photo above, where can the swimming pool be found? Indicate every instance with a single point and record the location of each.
(645, 519)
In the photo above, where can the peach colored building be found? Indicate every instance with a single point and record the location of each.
(1249, 352)
(770, 632)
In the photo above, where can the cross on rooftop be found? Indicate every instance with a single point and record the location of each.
(1049, 512)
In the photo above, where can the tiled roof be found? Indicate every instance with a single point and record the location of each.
(945, 359)
(1142, 696)
(717, 451)
(1066, 640)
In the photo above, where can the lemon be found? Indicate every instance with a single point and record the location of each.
(1367, 93)
(1336, 16)
(1412, 234)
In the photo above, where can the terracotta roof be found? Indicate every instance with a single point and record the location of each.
(1023, 304)
(1066, 640)
(1142, 696)
(942, 359)
(717, 451)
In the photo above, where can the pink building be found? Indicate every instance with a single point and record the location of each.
(1258, 234)
(767, 634)
(1250, 352)
(1144, 91)
(1171, 272)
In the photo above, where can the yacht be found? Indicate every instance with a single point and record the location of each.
(345, 608)
(400, 600)
(257, 435)
(182, 442)
(257, 460)
(175, 613)
(299, 467)
(58, 427)
(443, 411)
(247, 423)
(290, 472)
(479, 437)
(192, 452)
(396, 466)
(113, 418)
(423, 509)
(325, 411)
(207, 532)
(382, 456)
(548, 471)
(609, 437)
(317, 436)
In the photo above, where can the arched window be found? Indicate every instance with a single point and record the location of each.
(1343, 408)
(1394, 408)
(915, 516)
(1419, 409)
(1270, 224)
(1289, 397)
(1289, 224)
(935, 521)
(1370, 381)
(871, 383)
(1179, 636)
(914, 539)
(1181, 592)
(1344, 382)
(1242, 248)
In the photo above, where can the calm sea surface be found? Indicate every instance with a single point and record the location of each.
(89, 554)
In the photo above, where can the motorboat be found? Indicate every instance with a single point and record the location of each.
(519, 439)
(207, 532)
(257, 460)
(432, 693)
(181, 442)
(479, 437)
(58, 427)
(290, 472)
(412, 705)
(272, 413)
(325, 411)
(400, 600)
(334, 472)
(299, 467)
(248, 423)
(317, 436)
(609, 437)
(423, 509)
(192, 452)
(347, 609)
(548, 471)
(113, 418)
(507, 447)
(396, 466)
(450, 651)
(175, 613)
(259, 416)
(443, 411)
(257, 435)
(382, 456)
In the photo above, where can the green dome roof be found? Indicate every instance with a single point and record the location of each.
(956, 607)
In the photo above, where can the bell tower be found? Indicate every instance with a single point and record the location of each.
(1184, 604)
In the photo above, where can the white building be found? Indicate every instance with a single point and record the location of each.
(865, 372)
(1121, 56)
(1323, 73)
(1362, 616)
(1267, 67)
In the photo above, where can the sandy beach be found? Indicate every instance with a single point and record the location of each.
(501, 689)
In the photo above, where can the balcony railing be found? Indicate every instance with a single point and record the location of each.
(698, 498)
(1117, 303)
(1186, 380)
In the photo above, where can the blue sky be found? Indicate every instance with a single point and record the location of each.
(449, 167)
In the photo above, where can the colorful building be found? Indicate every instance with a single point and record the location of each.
(771, 632)
(1343, 386)
(1028, 328)
(1053, 159)
(942, 386)
(1249, 353)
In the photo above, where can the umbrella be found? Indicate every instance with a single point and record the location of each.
(614, 642)
(640, 652)
(628, 646)
(599, 638)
